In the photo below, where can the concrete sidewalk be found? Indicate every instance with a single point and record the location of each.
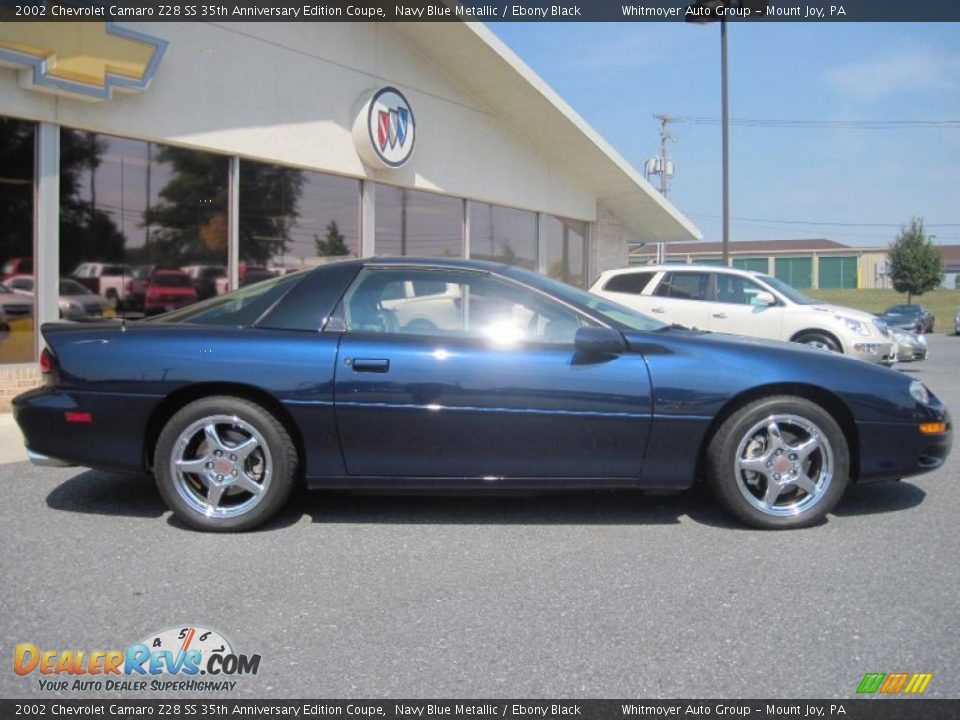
(11, 440)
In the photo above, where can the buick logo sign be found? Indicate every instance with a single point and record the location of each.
(385, 130)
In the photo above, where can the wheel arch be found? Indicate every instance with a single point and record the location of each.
(182, 397)
(818, 331)
(820, 396)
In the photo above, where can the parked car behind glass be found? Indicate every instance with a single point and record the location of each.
(741, 302)
(14, 305)
(108, 280)
(76, 302)
(16, 266)
(208, 280)
(168, 290)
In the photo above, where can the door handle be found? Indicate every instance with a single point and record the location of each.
(657, 310)
(374, 365)
(720, 315)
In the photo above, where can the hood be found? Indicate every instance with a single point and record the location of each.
(844, 311)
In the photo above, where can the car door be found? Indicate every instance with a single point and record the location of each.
(736, 311)
(681, 297)
(482, 382)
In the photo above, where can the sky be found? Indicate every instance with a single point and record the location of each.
(855, 186)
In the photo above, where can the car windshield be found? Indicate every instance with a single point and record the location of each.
(615, 313)
(72, 287)
(788, 291)
(902, 310)
(170, 280)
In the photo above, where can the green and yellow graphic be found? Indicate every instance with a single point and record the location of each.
(893, 683)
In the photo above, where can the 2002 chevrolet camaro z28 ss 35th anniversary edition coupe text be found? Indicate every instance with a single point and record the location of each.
(381, 374)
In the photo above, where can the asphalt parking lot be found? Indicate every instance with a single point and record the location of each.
(604, 595)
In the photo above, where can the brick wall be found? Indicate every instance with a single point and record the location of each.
(609, 249)
(14, 381)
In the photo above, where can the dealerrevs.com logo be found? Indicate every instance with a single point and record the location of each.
(170, 660)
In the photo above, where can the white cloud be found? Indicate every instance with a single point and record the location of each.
(910, 69)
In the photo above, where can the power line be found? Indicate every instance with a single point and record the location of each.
(827, 124)
(825, 223)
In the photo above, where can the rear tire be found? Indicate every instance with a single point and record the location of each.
(224, 464)
(778, 463)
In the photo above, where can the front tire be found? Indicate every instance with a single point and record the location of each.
(819, 340)
(225, 464)
(778, 463)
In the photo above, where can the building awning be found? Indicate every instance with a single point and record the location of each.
(488, 69)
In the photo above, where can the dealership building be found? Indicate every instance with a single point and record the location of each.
(221, 147)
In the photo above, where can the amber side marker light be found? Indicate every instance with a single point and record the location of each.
(933, 428)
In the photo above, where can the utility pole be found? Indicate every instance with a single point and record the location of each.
(665, 165)
(662, 166)
(725, 112)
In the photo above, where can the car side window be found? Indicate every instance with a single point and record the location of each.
(684, 285)
(736, 290)
(458, 305)
(633, 283)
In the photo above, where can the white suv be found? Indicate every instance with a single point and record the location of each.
(740, 302)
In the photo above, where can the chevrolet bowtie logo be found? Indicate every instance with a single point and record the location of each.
(82, 59)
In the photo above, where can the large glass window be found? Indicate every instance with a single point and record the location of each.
(565, 249)
(503, 234)
(412, 222)
(16, 238)
(131, 209)
(292, 218)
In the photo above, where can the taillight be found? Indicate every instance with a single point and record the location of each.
(46, 362)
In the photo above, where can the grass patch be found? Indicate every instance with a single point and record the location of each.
(943, 303)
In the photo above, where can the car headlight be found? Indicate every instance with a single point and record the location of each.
(853, 325)
(919, 392)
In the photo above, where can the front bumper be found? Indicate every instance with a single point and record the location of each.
(891, 451)
(880, 351)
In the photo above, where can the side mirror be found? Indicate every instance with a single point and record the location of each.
(764, 298)
(599, 341)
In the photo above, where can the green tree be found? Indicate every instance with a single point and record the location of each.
(16, 189)
(333, 243)
(87, 232)
(916, 265)
(191, 218)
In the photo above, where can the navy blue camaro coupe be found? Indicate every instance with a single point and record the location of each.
(463, 375)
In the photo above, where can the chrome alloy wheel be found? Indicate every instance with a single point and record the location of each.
(817, 343)
(221, 466)
(784, 465)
